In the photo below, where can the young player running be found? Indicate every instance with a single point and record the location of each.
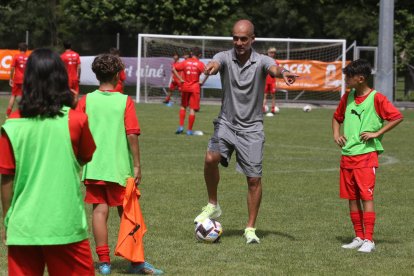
(115, 128)
(42, 146)
(362, 112)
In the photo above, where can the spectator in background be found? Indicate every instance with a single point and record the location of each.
(18, 67)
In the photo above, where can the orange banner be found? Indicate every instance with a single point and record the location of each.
(313, 75)
(6, 57)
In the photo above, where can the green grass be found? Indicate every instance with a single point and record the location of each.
(302, 222)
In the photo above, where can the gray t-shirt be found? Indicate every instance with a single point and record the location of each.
(243, 89)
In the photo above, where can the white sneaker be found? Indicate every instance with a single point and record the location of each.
(356, 243)
(367, 247)
(210, 211)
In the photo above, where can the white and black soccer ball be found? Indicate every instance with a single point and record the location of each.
(307, 108)
(208, 231)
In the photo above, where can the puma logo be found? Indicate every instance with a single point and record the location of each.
(353, 111)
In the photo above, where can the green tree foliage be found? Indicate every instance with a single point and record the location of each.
(92, 26)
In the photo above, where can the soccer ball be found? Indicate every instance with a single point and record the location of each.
(277, 110)
(307, 108)
(208, 231)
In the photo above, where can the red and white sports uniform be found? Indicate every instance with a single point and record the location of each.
(192, 68)
(19, 65)
(270, 87)
(100, 191)
(362, 167)
(175, 82)
(72, 61)
(120, 85)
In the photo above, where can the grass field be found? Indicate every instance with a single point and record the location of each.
(302, 221)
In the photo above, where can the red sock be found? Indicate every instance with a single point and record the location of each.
(358, 222)
(182, 116)
(369, 223)
(191, 119)
(8, 112)
(103, 253)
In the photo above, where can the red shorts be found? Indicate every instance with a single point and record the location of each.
(357, 184)
(191, 100)
(111, 194)
(270, 88)
(74, 85)
(17, 89)
(62, 260)
(175, 86)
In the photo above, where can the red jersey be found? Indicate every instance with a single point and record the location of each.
(19, 65)
(192, 68)
(120, 85)
(174, 77)
(385, 110)
(82, 141)
(269, 78)
(71, 60)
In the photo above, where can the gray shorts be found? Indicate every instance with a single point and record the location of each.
(247, 144)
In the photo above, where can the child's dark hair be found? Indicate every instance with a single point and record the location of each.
(22, 46)
(67, 44)
(45, 85)
(106, 66)
(195, 52)
(358, 67)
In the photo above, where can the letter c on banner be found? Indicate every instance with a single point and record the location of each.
(6, 62)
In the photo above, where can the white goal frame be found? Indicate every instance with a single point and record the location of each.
(141, 37)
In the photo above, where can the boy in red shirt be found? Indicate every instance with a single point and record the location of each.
(73, 67)
(191, 69)
(362, 111)
(270, 87)
(106, 175)
(18, 67)
(175, 82)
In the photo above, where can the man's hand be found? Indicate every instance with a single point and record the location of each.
(211, 68)
(11, 83)
(289, 77)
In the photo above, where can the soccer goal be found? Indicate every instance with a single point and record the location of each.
(318, 62)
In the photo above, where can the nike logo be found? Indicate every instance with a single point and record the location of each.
(353, 111)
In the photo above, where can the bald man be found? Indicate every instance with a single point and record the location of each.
(239, 126)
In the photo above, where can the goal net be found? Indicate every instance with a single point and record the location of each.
(318, 62)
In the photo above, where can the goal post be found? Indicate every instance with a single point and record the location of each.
(318, 62)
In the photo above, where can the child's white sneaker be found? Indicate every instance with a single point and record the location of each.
(367, 247)
(356, 243)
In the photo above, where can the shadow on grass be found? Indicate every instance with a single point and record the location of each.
(259, 233)
(348, 239)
